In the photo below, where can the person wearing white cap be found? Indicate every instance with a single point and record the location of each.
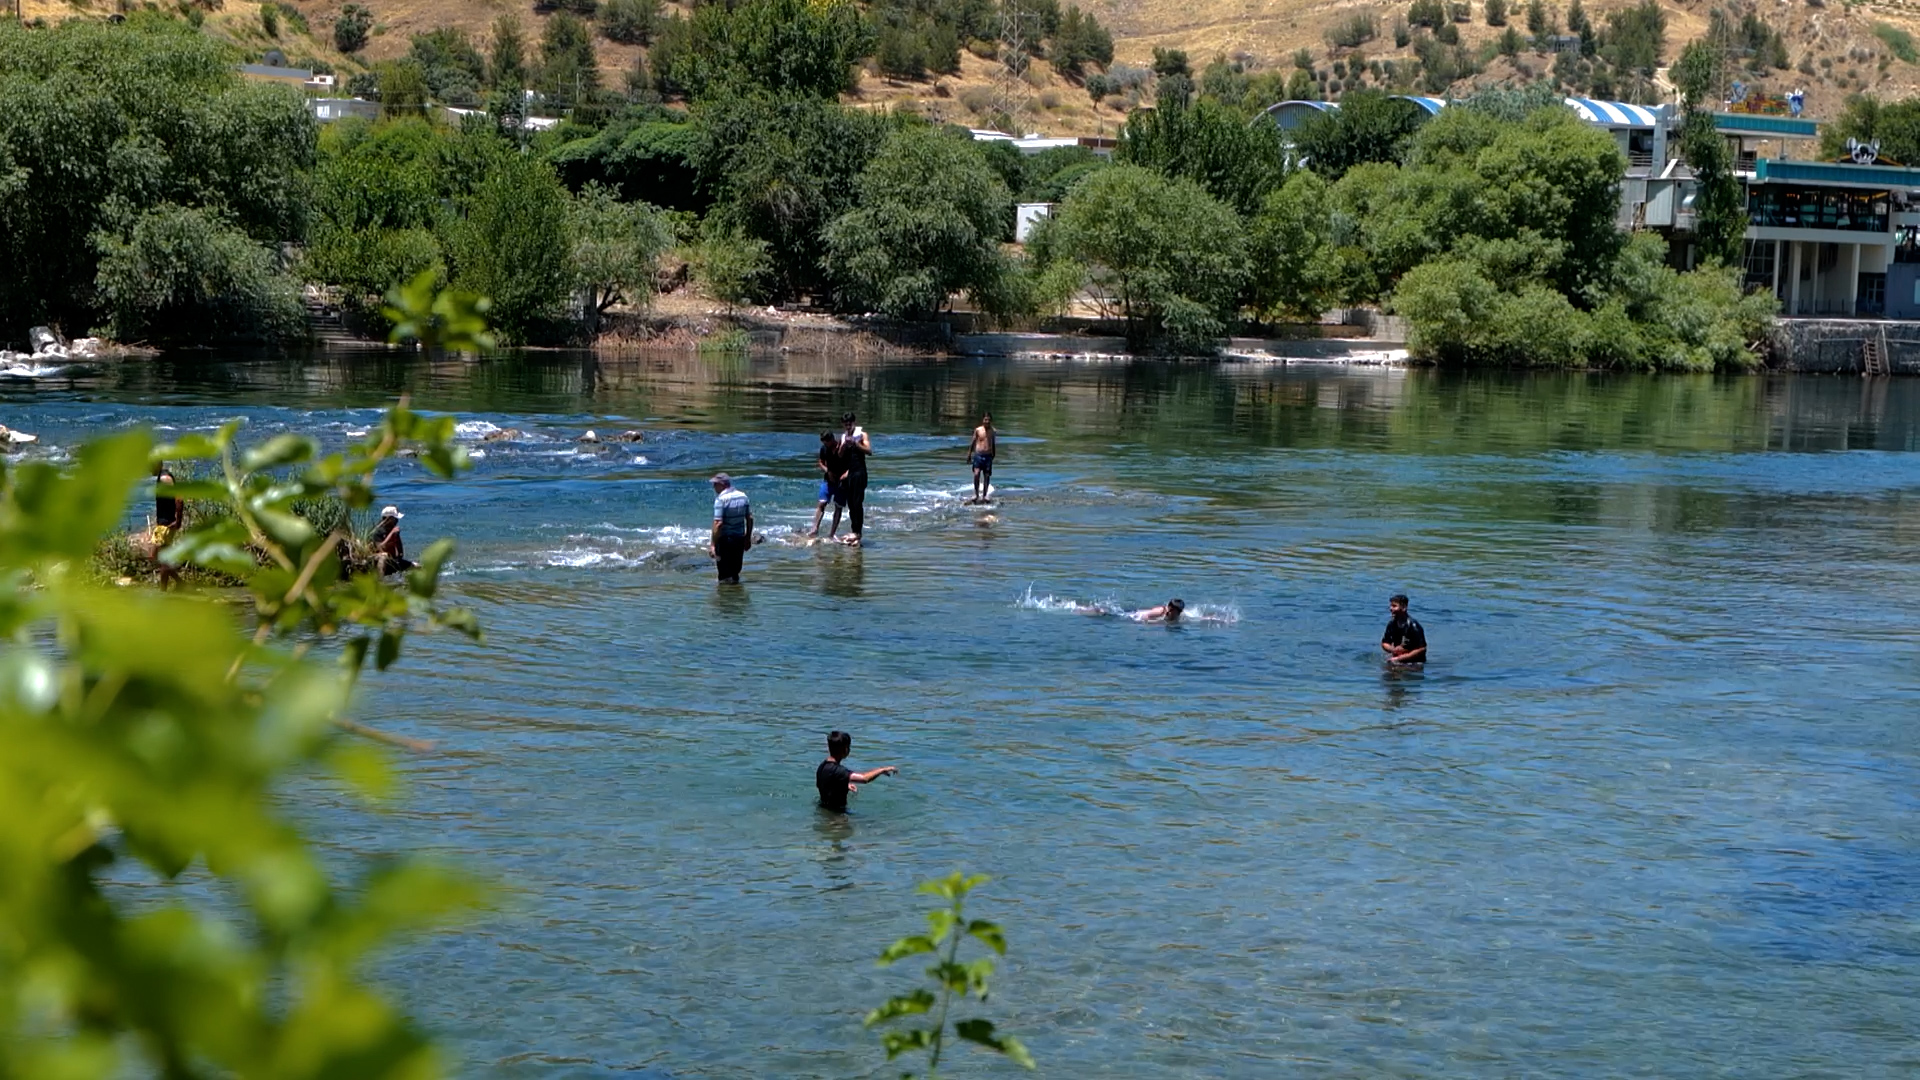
(389, 551)
(732, 528)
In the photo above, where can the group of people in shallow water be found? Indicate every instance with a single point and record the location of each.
(842, 461)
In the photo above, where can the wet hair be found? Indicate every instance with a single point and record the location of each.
(1398, 598)
(839, 744)
(847, 418)
(826, 436)
(987, 416)
(1176, 606)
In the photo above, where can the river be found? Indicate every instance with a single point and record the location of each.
(1649, 811)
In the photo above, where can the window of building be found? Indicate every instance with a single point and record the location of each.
(1793, 207)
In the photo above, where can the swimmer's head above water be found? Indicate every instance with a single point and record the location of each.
(1174, 607)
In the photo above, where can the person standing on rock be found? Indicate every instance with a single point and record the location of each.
(732, 528)
(855, 447)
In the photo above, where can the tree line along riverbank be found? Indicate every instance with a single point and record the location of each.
(157, 197)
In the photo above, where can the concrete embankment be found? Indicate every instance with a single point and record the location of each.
(1845, 346)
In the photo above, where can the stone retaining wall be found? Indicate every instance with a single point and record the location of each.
(1836, 346)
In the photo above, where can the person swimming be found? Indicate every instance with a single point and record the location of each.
(1168, 612)
(1172, 613)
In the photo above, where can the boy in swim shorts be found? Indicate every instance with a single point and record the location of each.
(829, 462)
(980, 456)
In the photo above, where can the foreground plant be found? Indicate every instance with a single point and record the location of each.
(947, 927)
(160, 912)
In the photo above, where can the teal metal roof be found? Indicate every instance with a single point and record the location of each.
(1756, 124)
(1826, 172)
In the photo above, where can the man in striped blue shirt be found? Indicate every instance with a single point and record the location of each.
(732, 528)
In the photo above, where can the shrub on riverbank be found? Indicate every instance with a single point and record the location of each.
(140, 143)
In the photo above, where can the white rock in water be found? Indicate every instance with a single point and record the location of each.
(16, 438)
(589, 437)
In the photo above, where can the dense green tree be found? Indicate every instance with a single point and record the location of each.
(507, 62)
(732, 266)
(1081, 40)
(781, 47)
(630, 22)
(569, 72)
(616, 250)
(1171, 256)
(1210, 144)
(1496, 12)
(403, 88)
(181, 275)
(1168, 62)
(928, 224)
(455, 71)
(1368, 126)
(351, 27)
(1636, 38)
(779, 171)
(647, 156)
(1720, 212)
(378, 198)
(1291, 243)
(514, 244)
(1895, 124)
(100, 122)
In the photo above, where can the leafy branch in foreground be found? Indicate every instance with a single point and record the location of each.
(301, 587)
(160, 912)
(947, 927)
(443, 319)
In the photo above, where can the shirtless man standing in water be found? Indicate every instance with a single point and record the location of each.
(980, 456)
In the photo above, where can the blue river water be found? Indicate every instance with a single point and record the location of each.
(1649, 811)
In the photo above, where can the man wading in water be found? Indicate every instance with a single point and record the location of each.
(835, 780)
(1404, 642)
(980, 456)
(732, 528)
(854, 448)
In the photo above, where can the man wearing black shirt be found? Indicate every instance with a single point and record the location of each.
(1404, 642)
(835, 780)
(855, 447)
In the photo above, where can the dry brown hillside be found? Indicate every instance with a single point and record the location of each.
(1833, 51)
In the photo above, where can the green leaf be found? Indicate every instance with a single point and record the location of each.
(462, 620)
(424, 579)
(899, 1042)
(912, 1004)
(187, 448)
(978, 972)
(989, 933)
(290, 531)
(389, 648)
(981, 1032)
(940, 922)
(905, 947)
(277, 451)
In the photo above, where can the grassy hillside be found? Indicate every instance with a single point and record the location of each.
(1831, 52)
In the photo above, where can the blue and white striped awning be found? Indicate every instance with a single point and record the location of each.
(1614, 113)
(1432, 104)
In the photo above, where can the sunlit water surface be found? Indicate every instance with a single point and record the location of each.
(1651, 810)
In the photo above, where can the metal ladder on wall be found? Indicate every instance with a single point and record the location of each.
(1874, 352)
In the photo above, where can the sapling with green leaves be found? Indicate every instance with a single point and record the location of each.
(947, 928)
(145, 737)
